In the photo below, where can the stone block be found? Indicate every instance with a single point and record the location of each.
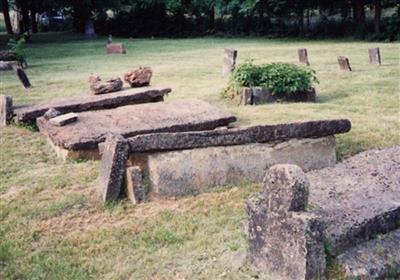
(247, 96)
(112, 167)
(229, 64)
(115, 48)
(135, 188)
(344, 63)
(374, 56)
(139, 77)
(303, 56)
(6, 109)
(262, 95)
(108, 86)
(64, 119)
(51, 113)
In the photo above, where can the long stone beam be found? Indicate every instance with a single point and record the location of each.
(237, 136)
(92, 102)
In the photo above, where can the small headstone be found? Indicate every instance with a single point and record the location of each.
(374, 56)
(109, 39)
(139, 77)
(23, 77)
(247, 96)
(344, 63)
(6, 109)
(64, 119)
(115, 48)
(93, 78)
(134, 185)
(111, 85)
(230, 56)
(112, 167)
(303, 57)
(89, 30)
(51, 113)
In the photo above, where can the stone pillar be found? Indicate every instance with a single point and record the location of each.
(6, 109)
(303, 56)
(285, 240)
(374, 56)
(229, 62)
(344, 63)
(135, 189)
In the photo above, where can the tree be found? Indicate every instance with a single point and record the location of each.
(5, 8)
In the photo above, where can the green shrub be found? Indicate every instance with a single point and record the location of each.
(280, 78)
(18, 47)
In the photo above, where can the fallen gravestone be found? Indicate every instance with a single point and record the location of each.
(88, 103)
(344, 63)
(139, 77)
(108, 86)
(117, 48)
(303, 56)
(63, 119)
(5, 109)
(135, 189)
(230, 56)
(342, 215)
(374, 56)
(23, 77)
(93, 126)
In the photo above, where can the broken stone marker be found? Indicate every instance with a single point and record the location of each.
(134, 185)
(115, 48)
(344, 63)
(112, 167)
(139, 77)
(51, 113)
(6, 109)
(23, 77)
(284, 239)
(111, 85)
(230, 56)
(64, 119)
(303, 57)
(374, 56)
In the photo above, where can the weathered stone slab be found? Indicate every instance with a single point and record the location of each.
(303, 56)
(139, 77)
(23, 77)
(112, 167)
(374, 56)
(344, 63)
(358, 198)
(112, 85)
(375, 259)
(82, 103)
(6, 110)
(179, 173)
(260, 95)
(63, 119)
(51, 113)
(284, 239)
(247, 96)
(230, 56)
(128, 121)
(117, 48)
(237, 136)
(9, 65)
(135, 188)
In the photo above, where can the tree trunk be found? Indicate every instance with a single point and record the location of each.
(377, 17)
(6, 8)
(23, 7)
(33, 17)
(359, 15)
(211, 17)
(300, 18)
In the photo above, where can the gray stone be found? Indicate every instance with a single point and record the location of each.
(23, 77)
(374, 56)
(111, 85)
(6, 109)
(247, 96)
(135, 188)
(284, 239)
(375, 259)
(64, 119)
(237, 136)
(230, 56)
(303, 56)
(115, 48)
(180, 173)
(344, 63)
(84, 102)
(262, 95)
(139, 77)
(51, 113)
(112, 167)
(128, 121)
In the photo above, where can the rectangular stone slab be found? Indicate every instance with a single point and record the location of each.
(237, 136)
(174, 116)
(358, 198)
(89, 102)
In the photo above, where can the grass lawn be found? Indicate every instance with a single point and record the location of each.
(52, 225)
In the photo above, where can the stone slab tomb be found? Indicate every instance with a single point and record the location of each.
(303, 57)
(344, 63)
(115, 48)
(83, 103)
(374, 56)
(83, 136)
(229, 64)
(184, 163)
(298, 218)
(259, 95)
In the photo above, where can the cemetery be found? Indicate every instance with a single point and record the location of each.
(196, 158)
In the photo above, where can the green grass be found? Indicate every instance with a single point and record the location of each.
(52, 223)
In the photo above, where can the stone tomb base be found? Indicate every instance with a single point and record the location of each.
(183, 172)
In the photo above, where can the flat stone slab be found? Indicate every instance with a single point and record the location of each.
(88, 102)
(375, 259)
(174, 116)
(64, 119)
(358, 198)
(237, 136)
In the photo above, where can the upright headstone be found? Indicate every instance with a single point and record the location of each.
(22, 77)
(247, 96)
(230, 56)
(374, 56)
(134, 185)
(89, 30)
(6, 111)
(303, 56)
(344, 63)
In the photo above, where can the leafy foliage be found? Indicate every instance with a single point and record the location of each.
(18, 45)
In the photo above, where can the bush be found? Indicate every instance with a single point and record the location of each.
(18, 46)
(280, 78)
